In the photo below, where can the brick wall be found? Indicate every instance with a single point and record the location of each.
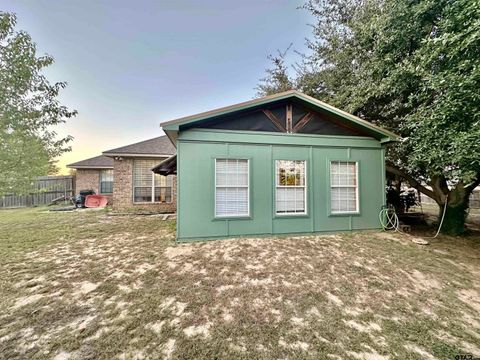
(89, 179)
(86, 179)
(123, 190)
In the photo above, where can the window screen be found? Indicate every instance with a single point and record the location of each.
(148, 186)
(290, 187)
(106, 181)
(231, 187)
(344, 187)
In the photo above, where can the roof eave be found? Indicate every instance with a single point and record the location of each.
(170, 125)
(174, 125)
(167, 166)
(72, 166)
(149, 155)
(172, 136)
(354, 119)
(389, 140)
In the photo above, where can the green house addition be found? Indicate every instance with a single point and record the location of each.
(282, 164)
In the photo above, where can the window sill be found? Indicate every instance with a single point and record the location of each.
(232, 218)
(290, 216)
(151, 203)
(343, 214)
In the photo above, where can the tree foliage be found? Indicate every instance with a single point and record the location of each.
(412, 66)
(29, 110)
(277, 78)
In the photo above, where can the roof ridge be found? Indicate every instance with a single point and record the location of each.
(135, 143)
(84, 163)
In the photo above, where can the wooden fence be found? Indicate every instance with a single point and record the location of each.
(474, 199)
(44, 190)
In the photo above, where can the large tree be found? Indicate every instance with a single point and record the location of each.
(277, 78)
(412, 66)
(29, 111)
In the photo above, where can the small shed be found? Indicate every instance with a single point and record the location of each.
(282, 164)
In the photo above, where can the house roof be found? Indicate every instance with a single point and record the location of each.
(172, 127)
(156, 147)
(97, 162)
(167, 166)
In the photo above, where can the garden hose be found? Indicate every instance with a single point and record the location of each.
(389, 219)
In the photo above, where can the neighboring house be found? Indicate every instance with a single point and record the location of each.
(133, 184)
(281, 164)
(96, 174)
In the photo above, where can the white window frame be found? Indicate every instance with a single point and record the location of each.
(152, 189)
(357, 197)
(305, 188)
(231, 186)
(102, 171)
(167, 177)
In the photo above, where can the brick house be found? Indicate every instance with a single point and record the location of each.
(125, 174)
(94, 174)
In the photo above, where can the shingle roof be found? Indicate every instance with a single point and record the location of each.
(157, 146)
(97, 162)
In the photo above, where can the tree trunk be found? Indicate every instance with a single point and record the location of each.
(456, 212)
(454, 221)
(457, 199)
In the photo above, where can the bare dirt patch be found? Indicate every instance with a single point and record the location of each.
(123, 289)
(84, 287)
(26, 300)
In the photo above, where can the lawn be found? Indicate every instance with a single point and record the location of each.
(93, 286)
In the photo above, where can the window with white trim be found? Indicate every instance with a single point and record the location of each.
(148, 186)
(231, 187)
(106, 181)
(291, 194)
(343, 187)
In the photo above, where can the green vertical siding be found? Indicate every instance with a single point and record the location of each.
(197, 150)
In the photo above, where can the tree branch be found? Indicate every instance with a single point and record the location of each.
(412, 181)
(470, 187)
(439, 185)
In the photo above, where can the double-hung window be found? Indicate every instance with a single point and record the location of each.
(291, 194)
(231, 188)
(106, 181)
(148, 186)
(343, 187)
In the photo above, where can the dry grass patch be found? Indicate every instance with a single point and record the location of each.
(121, 288)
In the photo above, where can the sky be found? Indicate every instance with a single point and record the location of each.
(131, 65)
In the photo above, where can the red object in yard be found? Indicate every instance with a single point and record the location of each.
(96, 201)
